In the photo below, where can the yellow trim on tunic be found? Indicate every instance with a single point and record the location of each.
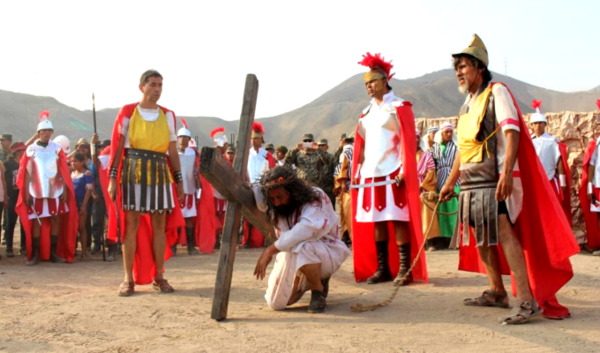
(471, 150)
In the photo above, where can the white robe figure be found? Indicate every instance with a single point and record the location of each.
(313, 238)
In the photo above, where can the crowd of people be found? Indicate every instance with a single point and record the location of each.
(386, 190)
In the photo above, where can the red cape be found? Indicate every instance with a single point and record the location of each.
(365, 254)
(566, 201)
(257, 239)
(144, 266)
(67, 237)
(591, 218)
(543, 230)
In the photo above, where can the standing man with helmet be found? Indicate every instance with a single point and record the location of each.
(46, 205)
(505, 199)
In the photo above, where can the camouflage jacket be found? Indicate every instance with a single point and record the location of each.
(4, 155)
(315, 167)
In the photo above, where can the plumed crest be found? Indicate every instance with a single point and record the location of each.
(598, 103)
(216, 130)
(184, 123)
(258, 127)
(377, 61)
(536, 104)
(44, 115)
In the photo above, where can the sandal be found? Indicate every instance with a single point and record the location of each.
(489, 298)
(521, 313)
(126, 289)
(162, 286)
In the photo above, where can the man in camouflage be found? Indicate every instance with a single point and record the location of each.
(6, 141)
(313, 165)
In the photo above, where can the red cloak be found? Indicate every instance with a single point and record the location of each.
(365, 255)
(144, 267)
(566, 200)
(67, 237)
(542, 229)
(591, 218)
(257, 239)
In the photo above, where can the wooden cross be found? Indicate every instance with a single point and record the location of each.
(232, 184)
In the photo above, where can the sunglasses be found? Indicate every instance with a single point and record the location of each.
(307, 141)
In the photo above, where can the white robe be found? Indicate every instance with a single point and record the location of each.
(313, 238)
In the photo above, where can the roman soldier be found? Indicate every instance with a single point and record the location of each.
(259, 162)
(385, 196)
(221, 144)
(47, 204)
(589, 193)
(191, 186)
(508, 220)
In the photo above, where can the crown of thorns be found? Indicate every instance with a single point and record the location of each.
(277, 182)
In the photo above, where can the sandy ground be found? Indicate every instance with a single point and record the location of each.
(75, 308)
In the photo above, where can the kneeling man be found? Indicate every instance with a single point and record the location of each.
(309, 249)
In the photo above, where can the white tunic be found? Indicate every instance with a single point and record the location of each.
(546, 147)
(257, 164)
(596, 181)
(313, 238)
(52, 146)
(188, 169)
(380, 129)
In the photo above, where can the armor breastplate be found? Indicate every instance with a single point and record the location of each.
(382, 142)
(45, 182)
(485, 173)
(187, 170)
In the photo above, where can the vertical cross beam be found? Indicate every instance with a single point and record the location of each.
(233, 212)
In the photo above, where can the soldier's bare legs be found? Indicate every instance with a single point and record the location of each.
(516, 260)
(132, 223)
(159, 242)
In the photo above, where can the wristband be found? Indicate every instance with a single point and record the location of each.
(589, 188)
(113, 173)
(563, 180)
(178, 177)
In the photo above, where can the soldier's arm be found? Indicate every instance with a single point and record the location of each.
(290, 157)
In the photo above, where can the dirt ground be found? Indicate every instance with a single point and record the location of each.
(75, 308)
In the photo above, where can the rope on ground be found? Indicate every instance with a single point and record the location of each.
(359, 308)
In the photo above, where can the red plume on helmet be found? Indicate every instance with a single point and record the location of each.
(44, 115)
(258, 127)
(216, 130)
(378, 62)
(598, 103)
(536, 104)
(184, 123)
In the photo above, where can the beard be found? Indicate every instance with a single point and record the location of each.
(285, 210)
(464, 87)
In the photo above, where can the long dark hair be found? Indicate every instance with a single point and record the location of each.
(285, 177)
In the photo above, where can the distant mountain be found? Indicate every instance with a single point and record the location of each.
(335, 112)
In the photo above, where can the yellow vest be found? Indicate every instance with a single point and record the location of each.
(471, 150)
(149, 136)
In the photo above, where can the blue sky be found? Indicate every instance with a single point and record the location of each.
(299, 50)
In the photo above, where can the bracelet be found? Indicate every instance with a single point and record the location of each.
(113, 173)
(178, 176)
(563, 180)
(589, 188)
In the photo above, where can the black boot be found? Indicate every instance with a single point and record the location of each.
(218, 242)
(383, 273)
(191, 242)
(53, 255)
(317, 302)
(404, 266)
(35, 253)
(325, 283)
(112, 250)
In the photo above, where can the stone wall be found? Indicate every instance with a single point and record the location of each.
(574, 130)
